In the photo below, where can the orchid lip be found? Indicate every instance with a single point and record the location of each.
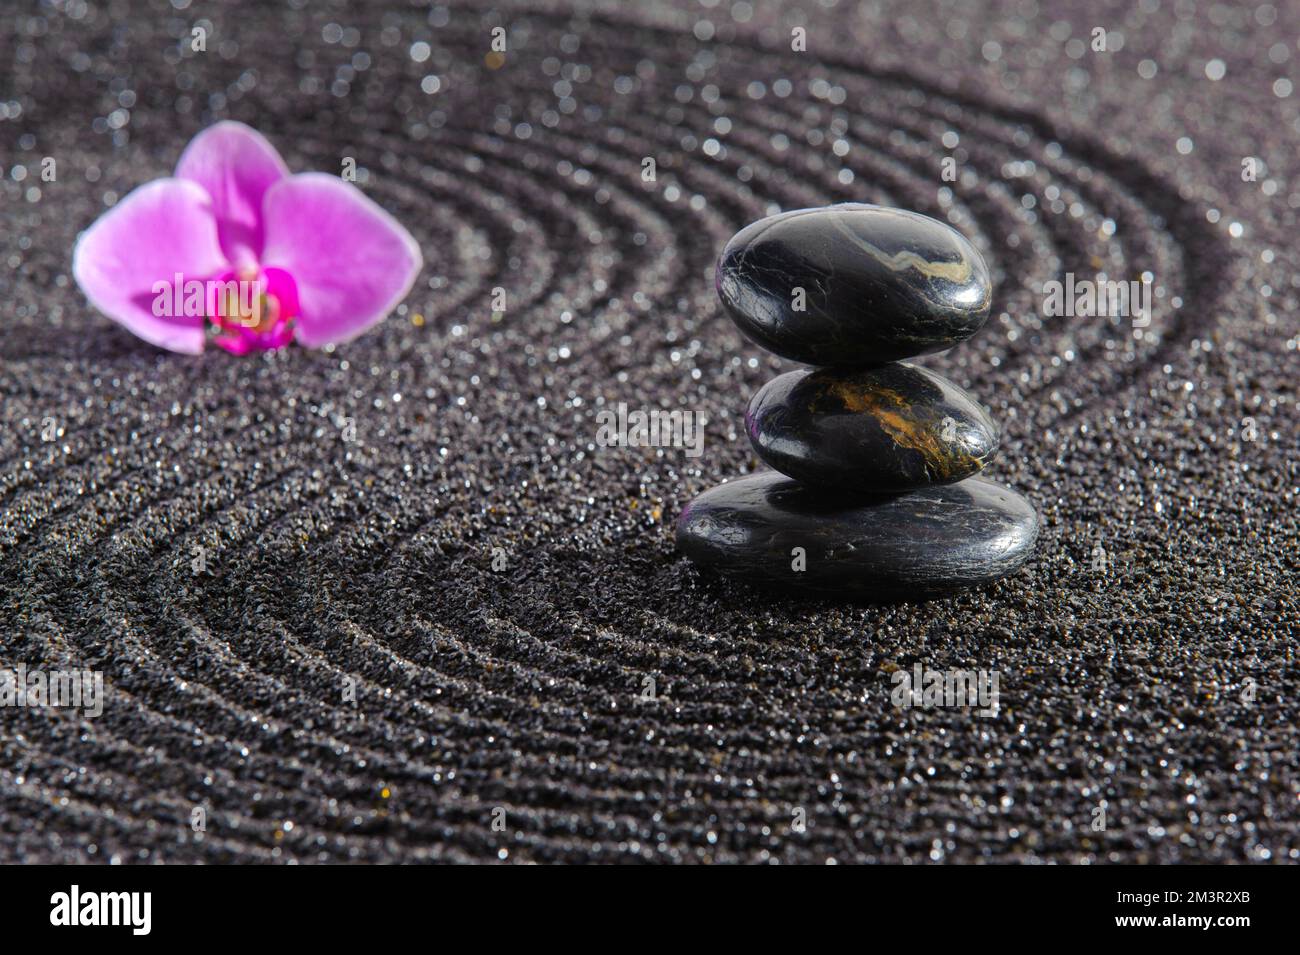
(259, 311)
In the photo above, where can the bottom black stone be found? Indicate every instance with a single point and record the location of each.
(770, 530)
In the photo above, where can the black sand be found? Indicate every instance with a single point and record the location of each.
(336, 564)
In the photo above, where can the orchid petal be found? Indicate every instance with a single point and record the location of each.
(352, 261)
(162, 229)
(236, 165)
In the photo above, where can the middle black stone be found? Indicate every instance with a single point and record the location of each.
(891, 428)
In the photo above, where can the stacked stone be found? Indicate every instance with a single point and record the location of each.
(873, 493)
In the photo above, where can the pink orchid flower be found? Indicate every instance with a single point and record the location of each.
(258, 256)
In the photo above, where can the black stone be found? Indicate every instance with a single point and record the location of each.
(889, 428)
(894, 547)
(879, 284)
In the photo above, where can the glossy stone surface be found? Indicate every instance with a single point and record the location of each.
(879, 284)
(889, 428)
(893, 547)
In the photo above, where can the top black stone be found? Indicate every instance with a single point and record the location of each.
(853, 284)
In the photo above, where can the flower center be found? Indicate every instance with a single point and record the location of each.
(253, 309)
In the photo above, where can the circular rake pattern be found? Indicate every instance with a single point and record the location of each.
(354, 675)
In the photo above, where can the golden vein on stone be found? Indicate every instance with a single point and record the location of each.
(889, 408)
(959, 271)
